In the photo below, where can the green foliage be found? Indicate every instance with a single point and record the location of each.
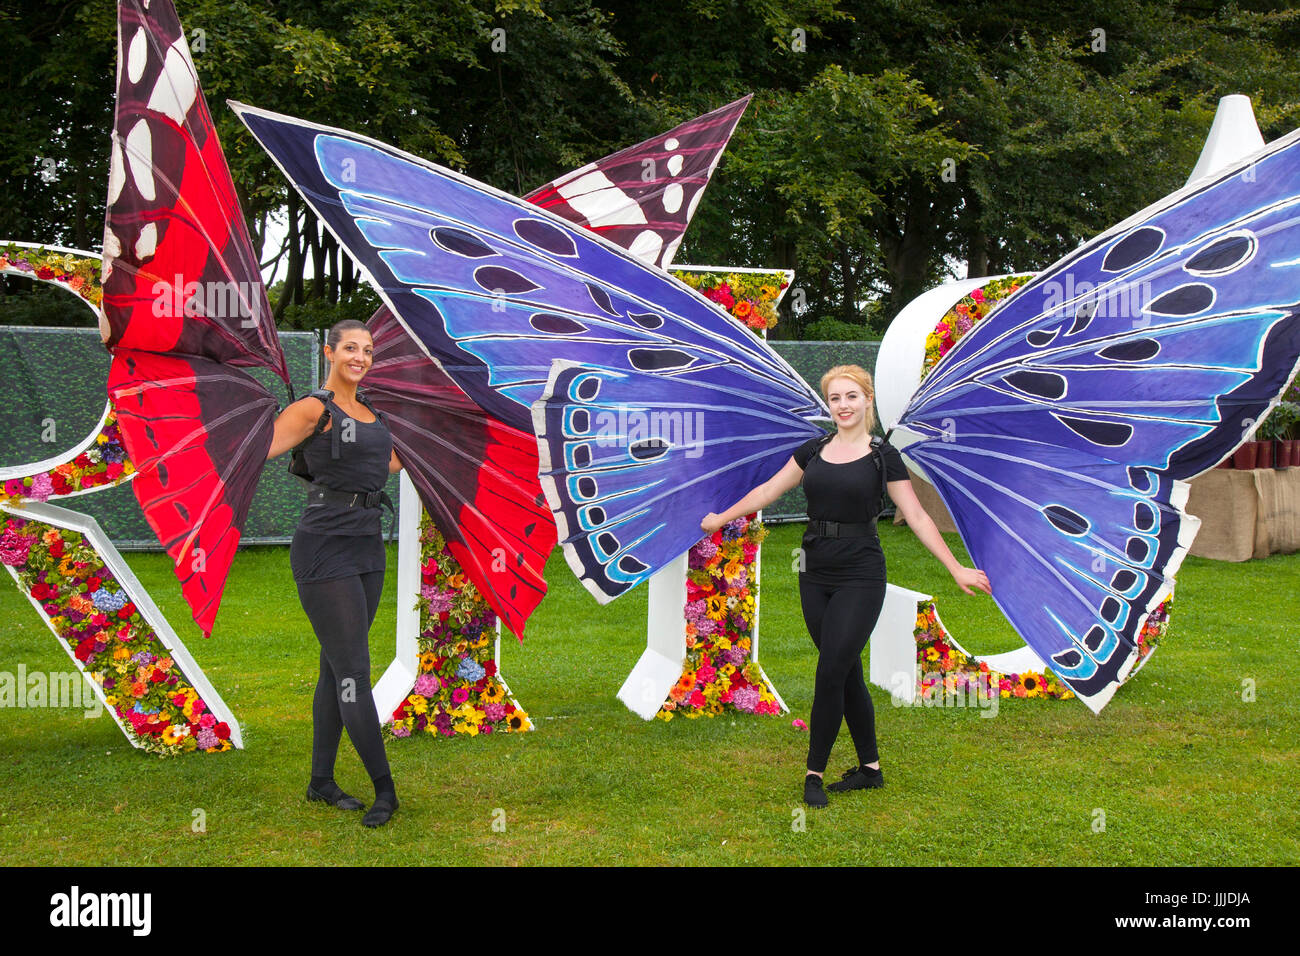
(1282, 422)
(320, 313)
(834, 330)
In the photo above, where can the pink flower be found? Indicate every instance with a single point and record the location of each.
(746, 699)
(42, 487)
(14, 548)
(207, 720)
(798, 724)
(401, 730)
(460, 695)
(494, 712)
(426, 685)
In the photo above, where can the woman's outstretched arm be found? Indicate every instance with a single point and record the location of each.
(923, 527)
(788, 477)
(295, 424)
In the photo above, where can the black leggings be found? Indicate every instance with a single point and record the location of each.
(341, 612)
(840, 619)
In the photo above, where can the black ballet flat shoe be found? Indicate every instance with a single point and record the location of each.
(380, 812)
(859, 778)
(813, 794)
(338, 798)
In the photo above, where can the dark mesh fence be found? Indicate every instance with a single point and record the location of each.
(56, 376)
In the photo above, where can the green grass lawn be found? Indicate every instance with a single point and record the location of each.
(1179, 767)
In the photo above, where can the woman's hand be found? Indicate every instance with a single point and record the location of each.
(711, 522)
(968, 578)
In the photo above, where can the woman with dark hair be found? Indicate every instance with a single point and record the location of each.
(338, 560)
(842, 577)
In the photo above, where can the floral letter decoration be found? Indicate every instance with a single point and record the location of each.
(459, 689)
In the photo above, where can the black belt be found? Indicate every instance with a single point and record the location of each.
(841, 529)
(319, 494)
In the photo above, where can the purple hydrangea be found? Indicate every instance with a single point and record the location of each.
(735, 656)
(206, 739)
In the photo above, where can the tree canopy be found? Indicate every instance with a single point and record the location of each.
(889, 144)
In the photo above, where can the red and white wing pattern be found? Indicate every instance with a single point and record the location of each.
(184, 303)
(642, 198)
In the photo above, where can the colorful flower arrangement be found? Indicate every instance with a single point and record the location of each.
(93, 613)
(458, 690)
(104, 462)
(946, 669)
(1153, 631)
(78, 273)
(961, 318)
(721, 595)
(749, 297)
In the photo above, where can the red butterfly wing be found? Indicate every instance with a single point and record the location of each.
(477, 477)
(183, 301)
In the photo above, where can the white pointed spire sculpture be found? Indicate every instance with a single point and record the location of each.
(1233, 135)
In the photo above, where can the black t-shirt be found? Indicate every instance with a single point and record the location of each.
(848, 493)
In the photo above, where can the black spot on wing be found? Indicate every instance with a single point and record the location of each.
(1047, 385)
(588, 388)
(596, 514)
(500, 279)
(1083, 317)
(461, 243)
(1222, 255)
(581, 420)
(658, 360)
(1187, 299)
(630, 565)
(587, 486)
(1039, 337)
(1137, 549)
(1142, 243)
(1124, 579)
(601, 298)
(545, 236)
(1110, 434)
(1094, 638)
(1144, 516)
(1138, 350)
(648, 449)
(647, 320)
(1071, 522)
(1110, 609)
(555, 324)
(607, 542)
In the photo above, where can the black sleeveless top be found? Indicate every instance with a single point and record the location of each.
(848, 493)
(333, 540)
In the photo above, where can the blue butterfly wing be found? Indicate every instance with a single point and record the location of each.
(631, 462)
(1060, 431)
(497, 289)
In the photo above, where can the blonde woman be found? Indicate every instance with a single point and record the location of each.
(842, 581)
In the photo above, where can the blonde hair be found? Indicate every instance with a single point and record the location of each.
(859, 376)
